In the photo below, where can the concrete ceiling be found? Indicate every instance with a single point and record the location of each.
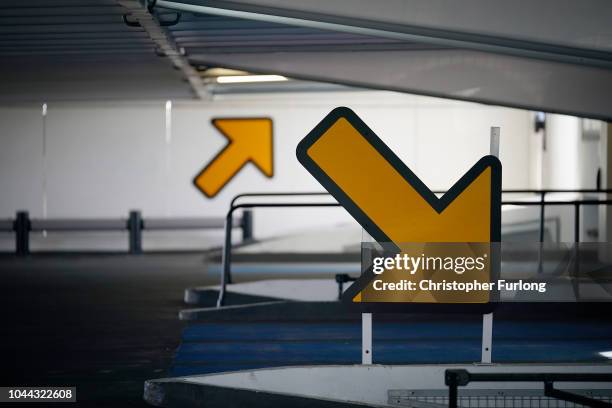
(79, 49)
(550, 55)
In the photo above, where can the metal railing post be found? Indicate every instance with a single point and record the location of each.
(576, 270)
(247, 225)
(135, 230)
(542, 199)
(452, 378)
(577, 221)
(540, 255)
(22, 233)
(226, 258)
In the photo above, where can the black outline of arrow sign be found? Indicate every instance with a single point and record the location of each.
(223, 150)
(438, 204)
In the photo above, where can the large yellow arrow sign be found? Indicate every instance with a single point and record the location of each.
(250, 140)
(388, 199)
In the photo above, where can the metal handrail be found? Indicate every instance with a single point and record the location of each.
(188, 223)
(134, 225)
(454, 378)
(227, 253)
(75, 224)
(507, 191)
(226, 257)
(280, 194)
(6, 225)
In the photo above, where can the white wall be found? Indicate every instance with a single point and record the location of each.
(21, 166)
(569, 160)
(106, 158)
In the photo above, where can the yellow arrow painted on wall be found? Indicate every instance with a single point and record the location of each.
(388, 199)
(250, 140)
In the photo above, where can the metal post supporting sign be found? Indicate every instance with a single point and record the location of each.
(366, 338)
(395, 208)
(487, 318)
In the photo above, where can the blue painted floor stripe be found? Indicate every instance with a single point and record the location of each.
(215, 347)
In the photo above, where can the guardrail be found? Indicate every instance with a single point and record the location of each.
(135, 224)
(226, 274)
(453, 379)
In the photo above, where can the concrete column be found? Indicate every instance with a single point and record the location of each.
(605, 157)
(561, 158)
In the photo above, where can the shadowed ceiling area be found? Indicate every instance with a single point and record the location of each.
(158, 49)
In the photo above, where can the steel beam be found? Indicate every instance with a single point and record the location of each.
(564, 31)
(166, 45)
(455, 74)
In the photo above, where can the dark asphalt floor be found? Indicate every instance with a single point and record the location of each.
(101, 323)
(107, 323)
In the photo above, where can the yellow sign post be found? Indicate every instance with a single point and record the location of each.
(250, 140)
(400, 212)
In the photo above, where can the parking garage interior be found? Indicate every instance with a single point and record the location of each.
(173, 231)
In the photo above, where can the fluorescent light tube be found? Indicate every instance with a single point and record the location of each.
(238, 79)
